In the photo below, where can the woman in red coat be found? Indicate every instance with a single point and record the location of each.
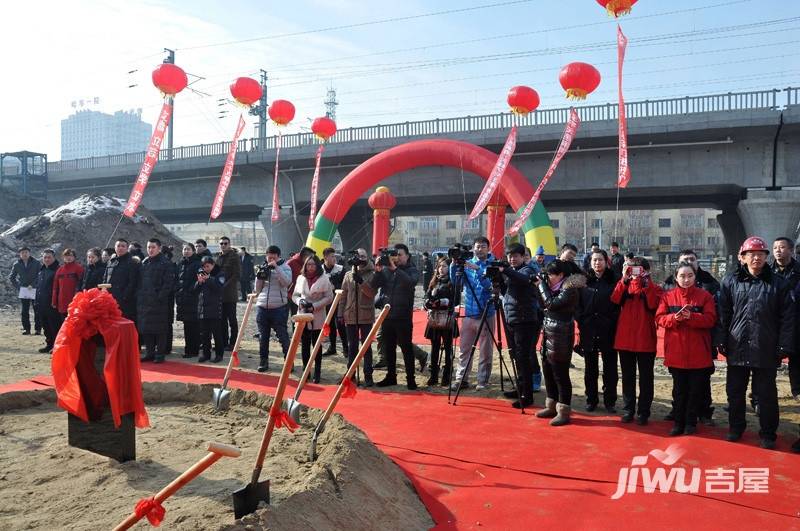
(687, 314)
(66, 282)
(637, 296)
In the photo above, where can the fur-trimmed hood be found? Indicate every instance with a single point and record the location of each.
(577, 280)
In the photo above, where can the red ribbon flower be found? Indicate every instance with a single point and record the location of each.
(282, 419)
(349, 388)
(152, 509)
(235, 356)
(326, 330)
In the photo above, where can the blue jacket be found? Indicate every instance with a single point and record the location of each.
(481, 286)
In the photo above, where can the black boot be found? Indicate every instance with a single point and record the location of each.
(391, 379)
(445, 377)
(411, 383)
(434, 379)
(263, 365)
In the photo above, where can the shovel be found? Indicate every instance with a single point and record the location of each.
(246, 499)
(292, 404)
(312, 453)
(222, 396)
(215, 452)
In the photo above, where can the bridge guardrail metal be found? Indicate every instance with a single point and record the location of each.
(731, 101)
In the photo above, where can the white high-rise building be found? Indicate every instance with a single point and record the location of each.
(89, 133)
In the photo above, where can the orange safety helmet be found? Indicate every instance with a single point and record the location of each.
(754, 243)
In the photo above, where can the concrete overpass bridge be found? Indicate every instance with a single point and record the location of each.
(736, 152)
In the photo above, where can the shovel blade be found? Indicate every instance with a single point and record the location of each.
(246, 499)
(293, 409)
(221, 399)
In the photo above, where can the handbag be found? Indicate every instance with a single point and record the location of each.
(439, 319)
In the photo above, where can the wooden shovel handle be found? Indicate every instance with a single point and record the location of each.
(300, 321)
(250, 301)
(215, 452)
(317, 345)
(349, 374)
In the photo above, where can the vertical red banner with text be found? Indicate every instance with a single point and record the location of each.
(315, 189)
(227, 172)
(497, 174)
(276, 206)
(150, 159)
(624, 173)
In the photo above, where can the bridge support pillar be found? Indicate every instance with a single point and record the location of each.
(769, 214)
(288, 233)
(732, 230)
(356, 230)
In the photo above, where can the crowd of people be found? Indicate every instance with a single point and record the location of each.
(608, 307)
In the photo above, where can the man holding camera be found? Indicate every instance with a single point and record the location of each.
(335, 274)
(396, 276)
(522, 314)
(470, 272)
(358, 308)
(272, 283)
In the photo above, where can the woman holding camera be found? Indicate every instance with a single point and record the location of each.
(687, 314)
(597, 320)
(439, 299)
(313, 292)
(209, 309)
(559, 295)
(635, 339)
(186, 300)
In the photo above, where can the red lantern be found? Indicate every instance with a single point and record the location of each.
(617, 8)
(246, 90)
(169, 79)
(522, 99)
(323, 127)
(281, 112)
(579, 80)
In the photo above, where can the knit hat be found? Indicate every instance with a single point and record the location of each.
(540, 251)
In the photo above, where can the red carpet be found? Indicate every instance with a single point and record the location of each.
(482, 464)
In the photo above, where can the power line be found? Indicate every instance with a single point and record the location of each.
(359, 24)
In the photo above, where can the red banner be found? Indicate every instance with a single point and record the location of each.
(315, 189)
(276, 205)
(497, 174)
(150, 159)
(227, 172)
(566, 141)
(624, 174)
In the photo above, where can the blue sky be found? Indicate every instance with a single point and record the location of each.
(459, 63)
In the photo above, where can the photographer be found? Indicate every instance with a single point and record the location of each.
(272, 305)
(396, 276)
(440, 297)
(521, 309)
(209, 291)
(313, 293)
(335, 274)
(470, 268)
(358, 308)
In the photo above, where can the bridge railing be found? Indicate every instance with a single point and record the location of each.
(731, 101)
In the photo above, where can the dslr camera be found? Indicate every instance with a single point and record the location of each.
(384, 257)
(460, 253)
(306, 305)
(355, 261)
(263, 271)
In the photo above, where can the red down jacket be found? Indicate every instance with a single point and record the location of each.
(687, 344)
(67, 281)
(636, 327)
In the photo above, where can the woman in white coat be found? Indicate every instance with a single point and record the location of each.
(313, 292)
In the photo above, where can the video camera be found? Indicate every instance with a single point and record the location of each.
(263, 271)
(385, 257)
(459, 253)
(493, 269)
(355, 261)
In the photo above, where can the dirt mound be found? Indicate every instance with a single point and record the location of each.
(85, 222)
(352, 485)
(14, 206)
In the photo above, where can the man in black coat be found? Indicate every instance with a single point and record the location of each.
(248, 273)
(427, 269)
(786, 266)
(48, 314)
(521, 307)
(122, 272)
(156, 282)
(202, 248)
(23, 275)
(617, 260)
(397, 280)
(186, 300)
(757, 310)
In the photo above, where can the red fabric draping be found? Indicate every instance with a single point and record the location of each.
(349, 388)
(282, 419)
(76, 381)
(152, 509)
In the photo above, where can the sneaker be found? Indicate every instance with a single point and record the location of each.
(263, 367)
(767, 444)
(537, 382)
(455, 386)
(481, 387)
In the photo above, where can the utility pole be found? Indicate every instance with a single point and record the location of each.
(170, 59)
(260, 110)
(331, 103)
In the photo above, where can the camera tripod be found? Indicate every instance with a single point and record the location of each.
(500, 325)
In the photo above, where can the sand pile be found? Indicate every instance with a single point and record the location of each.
(352, 485)
(86, 221)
